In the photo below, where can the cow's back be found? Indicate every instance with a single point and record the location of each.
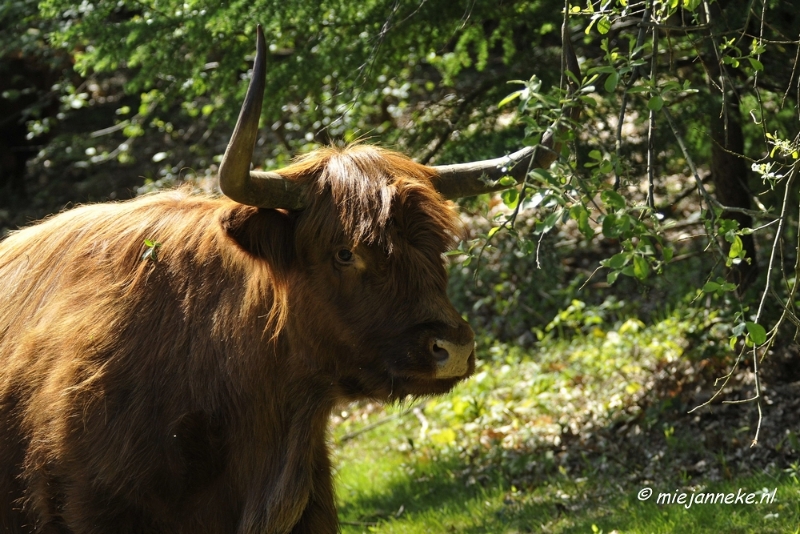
(110, 382)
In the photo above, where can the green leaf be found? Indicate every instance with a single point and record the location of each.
(668, 253)
(603, 25)
(510, 98)
(604, 69)
(544, 176)
(527, 247)
(655, 103)
(549, 222)
(613, 199)
(612, 277)
(728, 286)
(611, 82)
(737, 248)
(152, 250)
(610, 229)
(581, 215)
(510, 198)
(691, 5)
(617, 261)
(739, 329)
(728, 227)
(711, 287)
(576, 211)
(615, 225)
(493, 231)
(756, 64)
(641, 268)
(756, 332)
(507, 181)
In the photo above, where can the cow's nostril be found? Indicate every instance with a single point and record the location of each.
(439, 353)
(452, 359)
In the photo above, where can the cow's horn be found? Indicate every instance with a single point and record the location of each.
(470, 179)
(236, 180)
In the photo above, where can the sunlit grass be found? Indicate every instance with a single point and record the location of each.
(485, 458)
(383, 489)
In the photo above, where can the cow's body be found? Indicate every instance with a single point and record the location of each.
(190, 392)
(186, 388)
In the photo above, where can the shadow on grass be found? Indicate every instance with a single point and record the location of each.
(437, 498)
(440, 501)
(589, 483)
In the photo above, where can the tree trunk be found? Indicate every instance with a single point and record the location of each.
(729, 173)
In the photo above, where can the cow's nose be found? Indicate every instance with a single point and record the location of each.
(452, 359)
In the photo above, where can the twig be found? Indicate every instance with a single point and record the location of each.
(624, 104)
(787, 313)
(768, 289)
(651, 129)
(700, 187)
(741, 401)
(569, 63)
(111, 129)
(763, 123)
(794, 68)
(778, 234)
(671, 27)
(456, 117)
(389, 418)
(359, 523)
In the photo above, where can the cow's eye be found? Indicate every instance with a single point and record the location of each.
(345, 256)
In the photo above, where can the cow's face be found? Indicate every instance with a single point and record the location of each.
(369, 253)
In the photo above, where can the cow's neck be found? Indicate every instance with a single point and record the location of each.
(285, 442)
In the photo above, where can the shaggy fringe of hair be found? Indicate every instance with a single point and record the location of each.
(361, 187)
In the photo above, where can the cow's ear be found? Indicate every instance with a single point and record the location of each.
(264, 233)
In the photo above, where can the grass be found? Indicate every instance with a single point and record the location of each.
(383, 488)
(528, 445)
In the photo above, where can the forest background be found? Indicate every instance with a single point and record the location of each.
(635, 304)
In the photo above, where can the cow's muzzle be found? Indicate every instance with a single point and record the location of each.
(452, 359)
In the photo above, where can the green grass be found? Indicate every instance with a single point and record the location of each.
(489, 457)
(383, 488)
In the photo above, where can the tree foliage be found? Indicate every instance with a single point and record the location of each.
(337, 70)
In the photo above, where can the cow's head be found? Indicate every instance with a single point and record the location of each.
(366, 232)
(371, 282)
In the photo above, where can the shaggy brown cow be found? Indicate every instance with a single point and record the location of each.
(187, 389)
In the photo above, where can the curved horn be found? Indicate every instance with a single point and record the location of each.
(470, 179)
(236, 180)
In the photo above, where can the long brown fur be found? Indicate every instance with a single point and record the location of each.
(189, 392)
